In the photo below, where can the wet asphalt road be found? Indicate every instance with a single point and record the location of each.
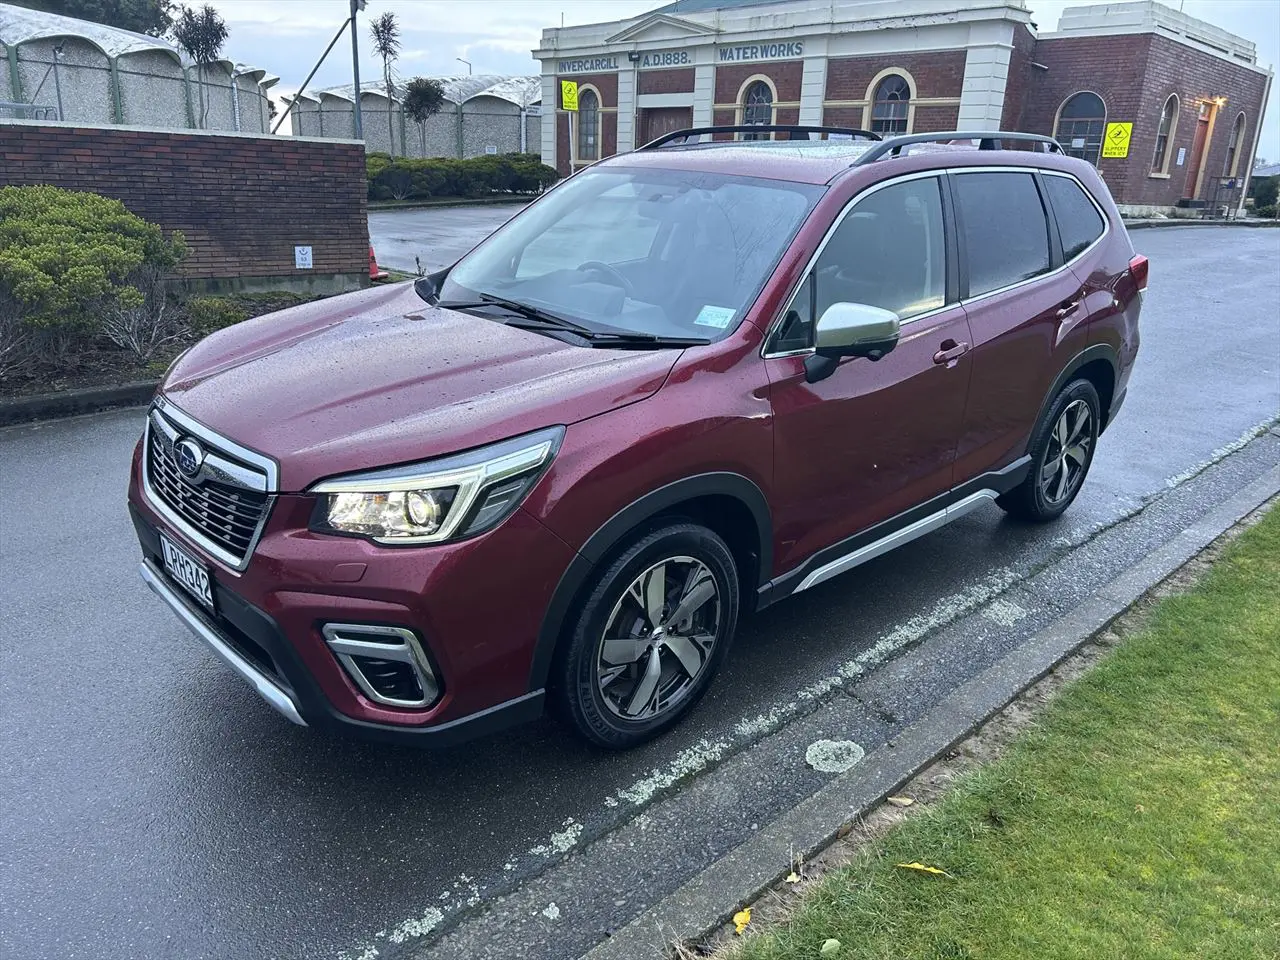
(436, 236)
(151, 806)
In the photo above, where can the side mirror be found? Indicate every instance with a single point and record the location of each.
(850, 330)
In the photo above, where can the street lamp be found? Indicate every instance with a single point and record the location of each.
(467, 62)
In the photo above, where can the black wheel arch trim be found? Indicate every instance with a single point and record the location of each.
(611, 533)
(1097, 351)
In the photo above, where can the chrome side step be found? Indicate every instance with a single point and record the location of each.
(898, 538)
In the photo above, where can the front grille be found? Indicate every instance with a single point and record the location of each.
(218, 505)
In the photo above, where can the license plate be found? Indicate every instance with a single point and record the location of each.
(190, 573)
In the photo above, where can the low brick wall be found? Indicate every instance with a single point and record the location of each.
(242, 202)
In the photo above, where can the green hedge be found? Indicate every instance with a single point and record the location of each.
(407, 178)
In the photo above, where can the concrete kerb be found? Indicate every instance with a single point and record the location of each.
(70, 403)
(741, 876)
(1188, 222)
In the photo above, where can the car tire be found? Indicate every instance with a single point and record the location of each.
(1061, 453)
(620, 678)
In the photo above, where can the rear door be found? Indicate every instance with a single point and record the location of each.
(1026, 311)
(874, 438)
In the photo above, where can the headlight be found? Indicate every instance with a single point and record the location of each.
(439, 500)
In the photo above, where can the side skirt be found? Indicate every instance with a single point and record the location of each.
(894, 532)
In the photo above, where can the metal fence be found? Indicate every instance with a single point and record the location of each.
(27, 111)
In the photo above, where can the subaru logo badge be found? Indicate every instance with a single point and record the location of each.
(190, 456)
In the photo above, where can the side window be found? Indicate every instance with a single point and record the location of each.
(889, 251)
(1079, 223)
(1005, 230)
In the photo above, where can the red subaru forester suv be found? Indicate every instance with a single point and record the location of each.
(688, 382)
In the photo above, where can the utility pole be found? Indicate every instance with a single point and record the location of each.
(356, 6)
(467, 62)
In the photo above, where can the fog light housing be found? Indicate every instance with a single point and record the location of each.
(387, 664)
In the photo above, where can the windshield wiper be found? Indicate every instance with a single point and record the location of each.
(637, 339)
(544, 319)
(538, 319)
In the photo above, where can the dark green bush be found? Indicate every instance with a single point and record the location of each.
(64, 254)
(71, 261)
(1267, 212)
(208, 314)
(408, 178)
(1264, 191)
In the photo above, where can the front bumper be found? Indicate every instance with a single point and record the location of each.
(477, 606)
(207, 630)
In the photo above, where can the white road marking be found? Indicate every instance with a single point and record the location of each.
(1221, 452)
(1004, 612)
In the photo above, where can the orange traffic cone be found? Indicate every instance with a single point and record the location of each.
(376, 273)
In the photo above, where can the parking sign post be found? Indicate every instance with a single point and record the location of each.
(569, 101)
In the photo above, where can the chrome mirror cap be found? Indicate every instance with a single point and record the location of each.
(855, 329)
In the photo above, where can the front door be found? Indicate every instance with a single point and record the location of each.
(656, 121)
(875, 438)
(1197, 152)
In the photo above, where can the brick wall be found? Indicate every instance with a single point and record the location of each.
(936, 118)
(937, 74)
(1020, 69)
(785, 74)
(667, 81)
(608, 139)
(242, 202)
(606, 83)
(1134, 75)
(1175, 68)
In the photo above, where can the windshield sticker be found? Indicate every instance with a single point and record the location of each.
(717, 317)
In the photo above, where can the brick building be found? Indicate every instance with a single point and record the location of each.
(1193, 93)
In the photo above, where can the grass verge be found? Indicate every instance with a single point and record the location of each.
(1138, 818)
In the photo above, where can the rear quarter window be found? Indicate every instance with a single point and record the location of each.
(1079, 223)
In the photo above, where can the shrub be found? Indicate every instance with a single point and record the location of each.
(1268, 213)
(401, 178)
(1264, 191)
(209, 314)
(68, 259)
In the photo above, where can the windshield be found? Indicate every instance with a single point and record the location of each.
(666, 253)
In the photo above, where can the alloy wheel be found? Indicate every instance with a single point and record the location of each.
(658, 638)
(1067, 453)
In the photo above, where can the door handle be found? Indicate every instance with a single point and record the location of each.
(950, 351)
(1068, 307)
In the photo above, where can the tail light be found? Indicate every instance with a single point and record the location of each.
(1138, 267)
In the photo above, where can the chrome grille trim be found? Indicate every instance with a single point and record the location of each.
(224, 509)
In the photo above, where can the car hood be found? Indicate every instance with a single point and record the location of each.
(379, 377)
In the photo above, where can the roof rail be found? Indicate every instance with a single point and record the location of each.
(683, 135)
(987, 140)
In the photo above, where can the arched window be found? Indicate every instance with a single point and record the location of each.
(891, 104)
(757, 108)
(1233, 147)
(1164, 135)
(588, 126)
(1081, 120)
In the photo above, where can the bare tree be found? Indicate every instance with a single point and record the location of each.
(143, 325)
(201, 33)
(423, 99)
(386, 44)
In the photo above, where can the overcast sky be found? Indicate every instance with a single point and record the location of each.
(286, 36)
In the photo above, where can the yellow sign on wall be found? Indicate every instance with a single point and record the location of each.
(1115, 144)
(569, 94)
